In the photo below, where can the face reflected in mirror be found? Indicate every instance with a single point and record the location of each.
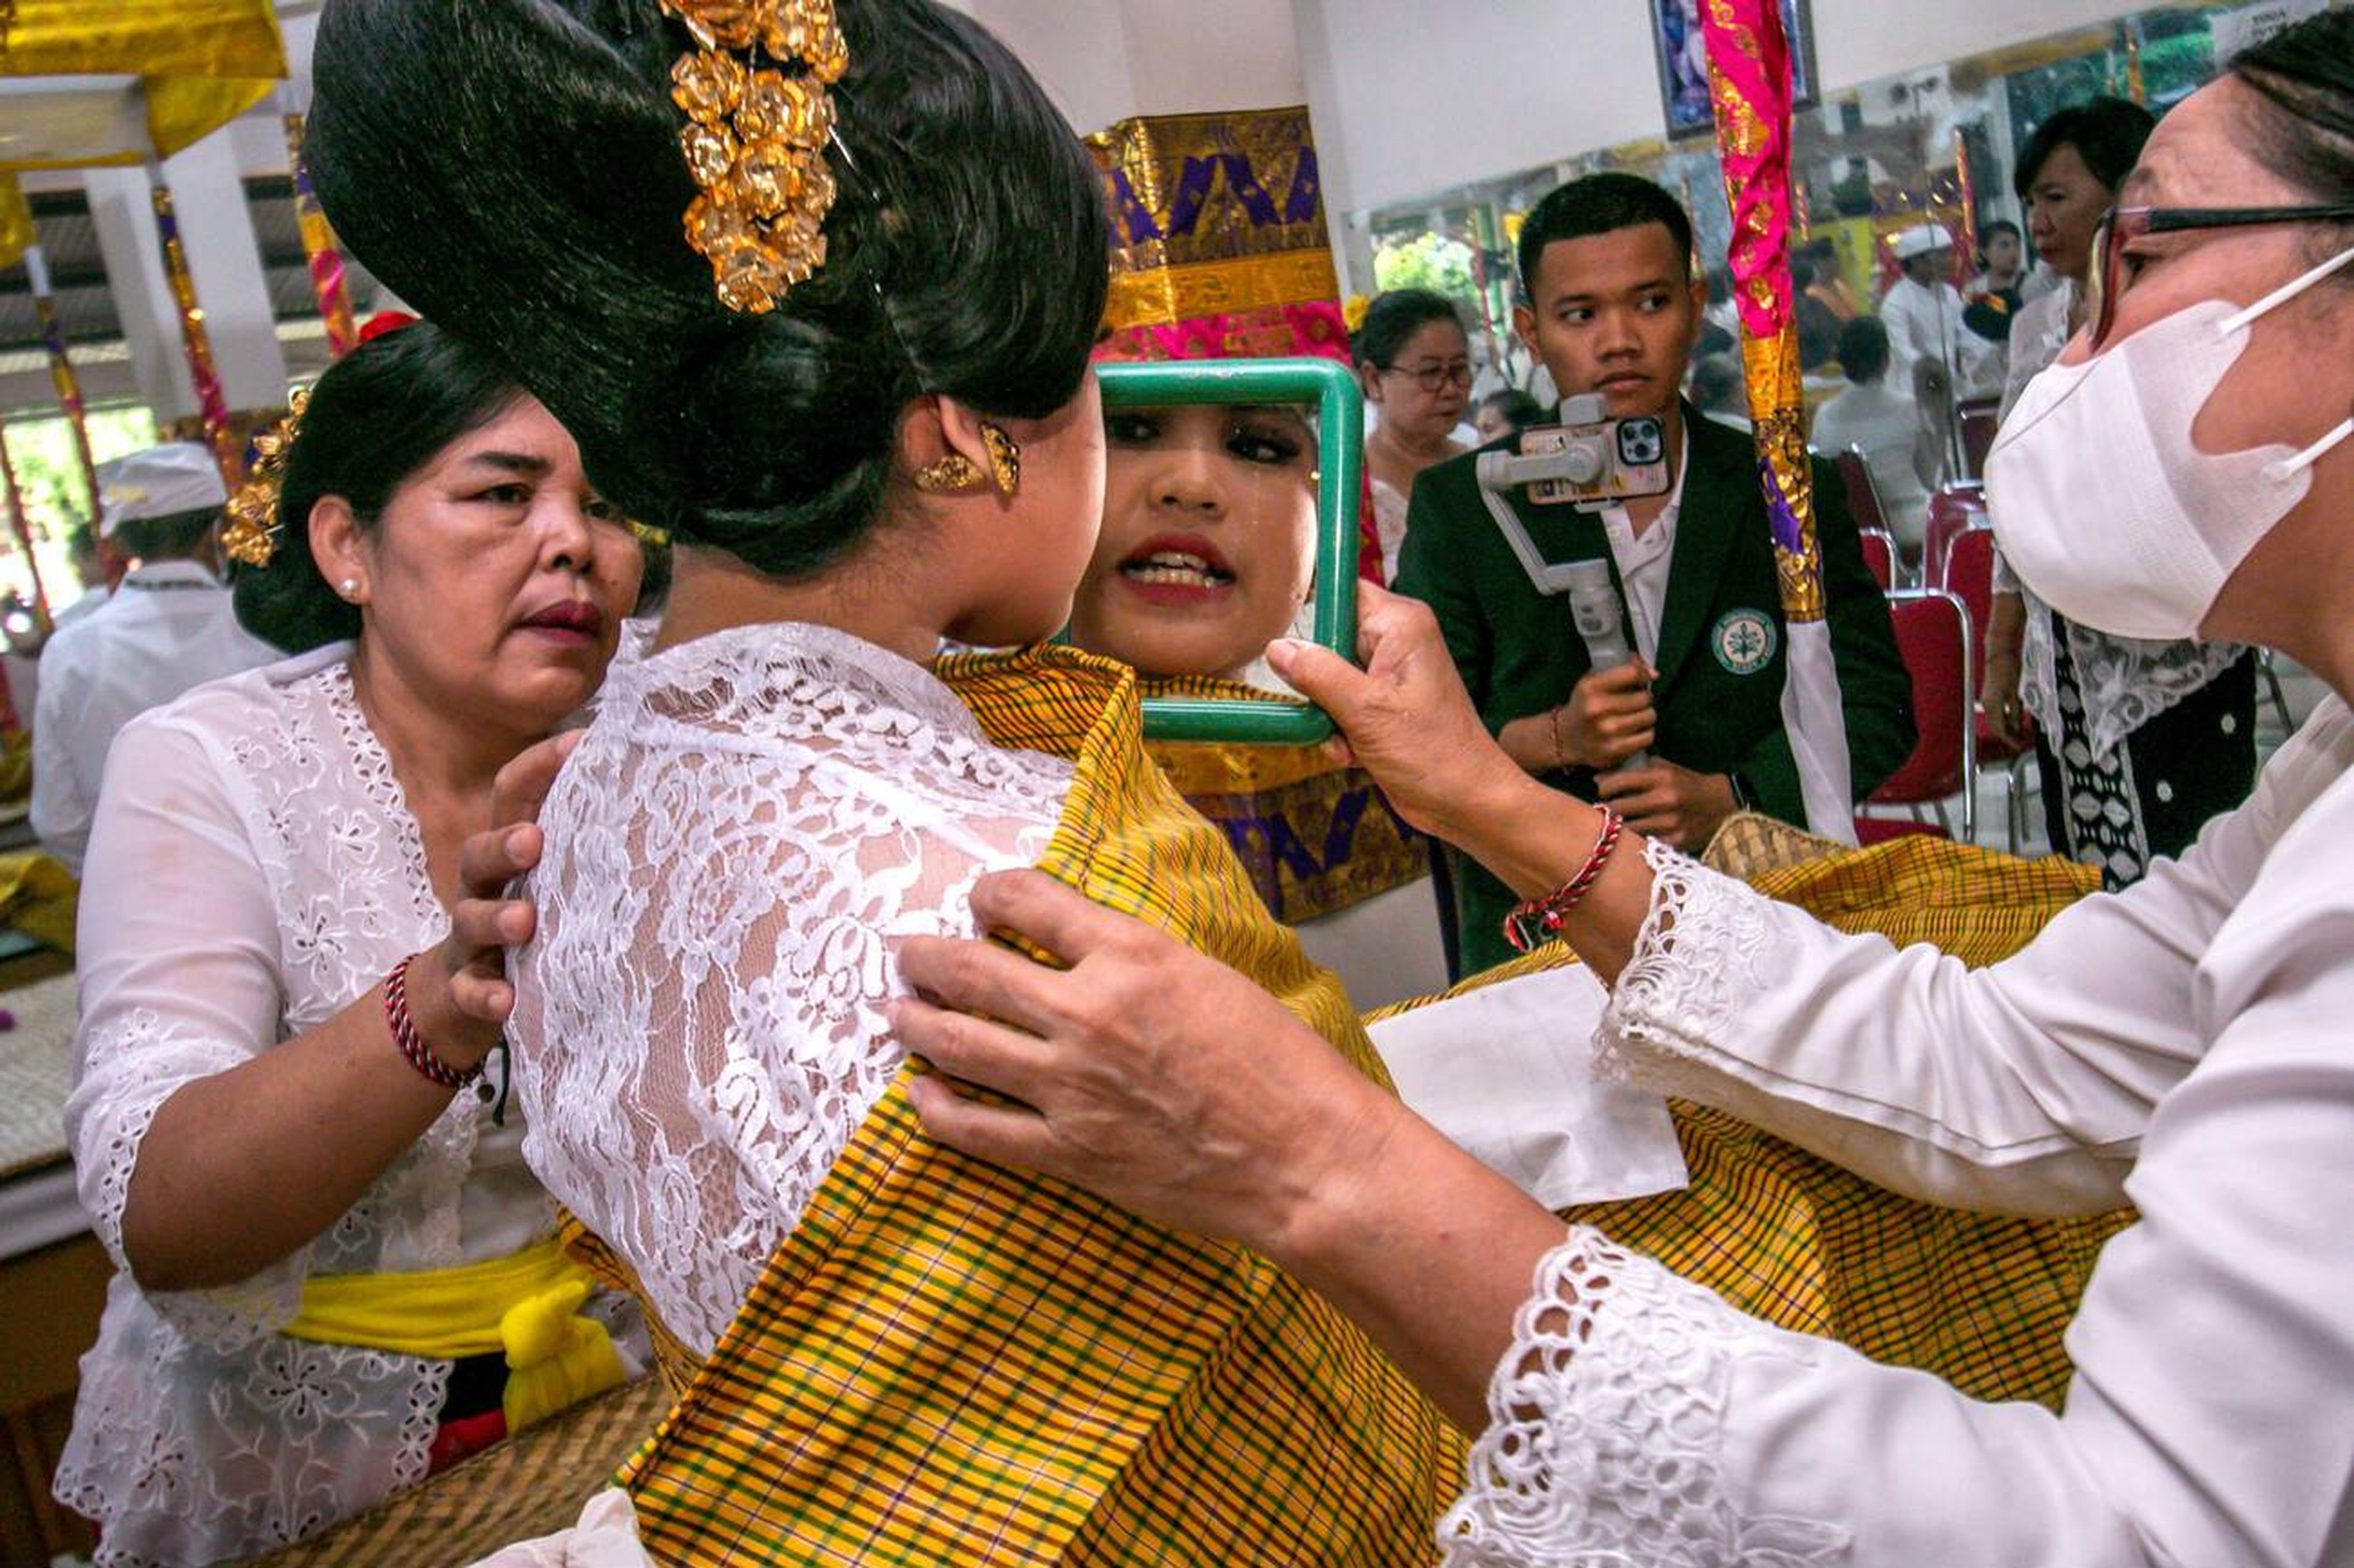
(1208, 546)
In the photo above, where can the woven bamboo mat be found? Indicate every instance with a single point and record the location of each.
(528, 1486)
(35, 1073)
(1749, 844)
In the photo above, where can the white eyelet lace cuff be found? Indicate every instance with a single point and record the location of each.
(1708, 948)
(132, 1066)
(1604, 1430)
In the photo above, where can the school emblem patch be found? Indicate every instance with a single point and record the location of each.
(1745, 640)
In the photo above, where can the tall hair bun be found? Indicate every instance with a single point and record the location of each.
(512, 167)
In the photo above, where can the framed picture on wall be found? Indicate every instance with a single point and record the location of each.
(1683, 62)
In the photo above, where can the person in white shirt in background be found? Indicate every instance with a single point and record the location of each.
(89, 575)
(168, 628)
(1883, 424)
(1922, 309)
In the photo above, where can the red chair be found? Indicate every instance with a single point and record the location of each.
(1951, 510)
(1977, 418)
(1863, 494)
(1968, 576)
(1880, 555)
(1933, 633)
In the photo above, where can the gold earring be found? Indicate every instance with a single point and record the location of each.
(949, 474)
(1004, 459)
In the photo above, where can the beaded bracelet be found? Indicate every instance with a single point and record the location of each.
(1540, 920)
(412, 1045)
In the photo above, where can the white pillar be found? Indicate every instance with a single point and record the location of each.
(122, 210)
(208, 194)
(226, 261)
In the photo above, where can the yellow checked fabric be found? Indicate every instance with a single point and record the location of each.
(1980, 1300)
(948, 1363)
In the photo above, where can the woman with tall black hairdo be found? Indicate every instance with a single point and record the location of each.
(816, 294)
(334, 1274)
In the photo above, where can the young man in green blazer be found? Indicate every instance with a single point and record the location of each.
(1610, 306)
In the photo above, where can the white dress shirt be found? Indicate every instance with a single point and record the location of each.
(1884, 423)
(1645, 560)
(1925, 322)
(2183, 1047)
(89, 604)
(168, 628)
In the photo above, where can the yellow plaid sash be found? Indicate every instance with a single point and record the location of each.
(948, 1363)
(1980, 1300)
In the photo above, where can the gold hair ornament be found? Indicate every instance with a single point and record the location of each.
(755, 141)
(251, 537)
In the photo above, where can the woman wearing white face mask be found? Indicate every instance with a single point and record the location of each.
(2138, 742)
(2182, 1046)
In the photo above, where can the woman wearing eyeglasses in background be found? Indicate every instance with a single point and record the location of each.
(2138, 742)
(2183, 1045)
(1414, 359)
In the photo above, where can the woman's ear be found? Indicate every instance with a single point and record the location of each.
(950, 449)
(340, 547)
(1370, 380)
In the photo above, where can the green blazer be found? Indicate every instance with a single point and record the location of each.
(1719, 694)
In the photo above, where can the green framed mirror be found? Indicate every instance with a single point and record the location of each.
(1331, 390)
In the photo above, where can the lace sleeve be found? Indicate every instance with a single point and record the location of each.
(178, 982)
(2022, 1087)
(1606, 1426)
(701, 1020)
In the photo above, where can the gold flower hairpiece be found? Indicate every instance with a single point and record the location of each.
(755, 140)
(251, 537)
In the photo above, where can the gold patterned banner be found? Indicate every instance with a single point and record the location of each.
(1750, 87)
(201, 63)
(1185, 189)
(16, 233)
(325, 257)
(61, 368)
(1220, 288)
(212, 403)
(1314, 836)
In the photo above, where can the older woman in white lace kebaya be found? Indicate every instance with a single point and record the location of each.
(291, 980)
(2184, 1046)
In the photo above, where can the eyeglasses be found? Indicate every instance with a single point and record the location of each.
(2121, 226)
(1436, 377)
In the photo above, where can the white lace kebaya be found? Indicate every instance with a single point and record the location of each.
(751, 821)
(254, 870)
(2183, 1047)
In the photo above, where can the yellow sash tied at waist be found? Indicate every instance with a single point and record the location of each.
(525, 1305)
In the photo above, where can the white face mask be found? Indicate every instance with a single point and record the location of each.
(2104, 507)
